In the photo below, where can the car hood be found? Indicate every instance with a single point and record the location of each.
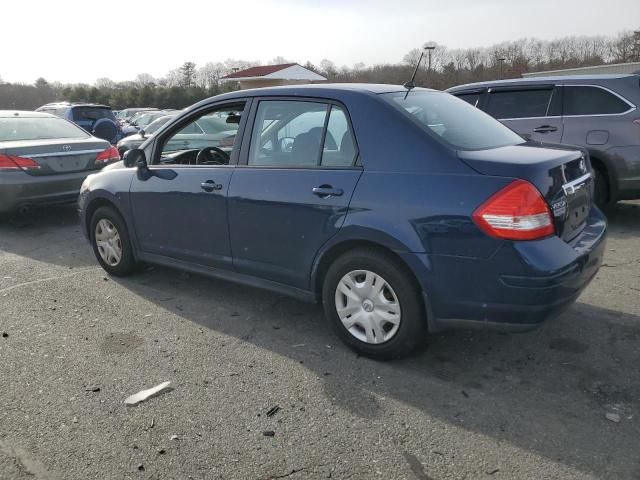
(136, 138)
(114, 166)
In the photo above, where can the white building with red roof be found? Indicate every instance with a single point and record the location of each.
(273, 75)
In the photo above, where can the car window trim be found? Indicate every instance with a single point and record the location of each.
(356, 163)
(632, 106)
(189, 118)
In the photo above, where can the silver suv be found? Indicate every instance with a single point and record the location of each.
(596, 112)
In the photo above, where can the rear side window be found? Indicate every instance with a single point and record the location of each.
(519, 103)
(592, 101)
(470, 98)
(91, 113)
(453, 121)
(15, 129)
(301, 134)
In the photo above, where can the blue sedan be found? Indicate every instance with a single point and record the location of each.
(403, 211)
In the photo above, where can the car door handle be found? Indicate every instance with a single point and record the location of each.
(326, 191)
(210, 186)
(545, 129)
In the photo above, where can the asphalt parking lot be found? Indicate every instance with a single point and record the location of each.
(75, 343)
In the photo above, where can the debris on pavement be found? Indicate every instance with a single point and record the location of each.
(174, 437)
(92, 388)
(141, 468)
(493, 472)
(273, 411)
(613, 417)
(5, 334)
(145, 394)
(268, 433)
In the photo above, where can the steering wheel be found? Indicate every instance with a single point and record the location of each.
(209, 154)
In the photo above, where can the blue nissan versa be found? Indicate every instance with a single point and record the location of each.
(403, 211)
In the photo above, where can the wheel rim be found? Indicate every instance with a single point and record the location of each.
(368, 307)
(108, 242)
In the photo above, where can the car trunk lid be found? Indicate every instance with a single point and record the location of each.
(57, 156)
(562, 176)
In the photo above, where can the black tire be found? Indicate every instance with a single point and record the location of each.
(127, 263)
(412, 329)
(601, 194)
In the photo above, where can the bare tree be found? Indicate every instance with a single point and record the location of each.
(144, 79)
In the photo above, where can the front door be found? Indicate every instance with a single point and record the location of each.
(531, 111)
(291, 191)
(180, 211)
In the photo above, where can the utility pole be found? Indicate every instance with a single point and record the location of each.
(636, 47)
(501, 62)
(429, 47)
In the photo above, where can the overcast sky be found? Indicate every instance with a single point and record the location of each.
(81, 40)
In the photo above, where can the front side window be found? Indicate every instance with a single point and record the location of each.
(301, 134)
(519, 103)
(592, 101)
(208, 139)
(13, 129)
(453, 121)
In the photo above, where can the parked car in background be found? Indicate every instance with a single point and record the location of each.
(597, 112)
(44, 159)
(96, 119)
(124, 116)
(141, 120)
(137, 139)
(402, 211)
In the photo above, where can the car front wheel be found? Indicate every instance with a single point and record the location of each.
(374, 304)
(110, 242)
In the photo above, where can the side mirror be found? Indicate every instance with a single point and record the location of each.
(286, 144)
(135, 158)
(141, 132)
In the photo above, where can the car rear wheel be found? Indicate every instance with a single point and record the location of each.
(110, 242)
(374, 304)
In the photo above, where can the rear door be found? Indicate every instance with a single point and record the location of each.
(180, 211)
(291, 191)
(532, 111)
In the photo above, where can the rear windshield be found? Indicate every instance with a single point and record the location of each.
(454, 121)
(91, 113)
(15, 129)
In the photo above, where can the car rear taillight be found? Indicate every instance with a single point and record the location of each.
(109, 155)
(11, 162)
(517, 212)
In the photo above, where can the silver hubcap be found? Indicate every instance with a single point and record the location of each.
(368, 307)
(108, 242)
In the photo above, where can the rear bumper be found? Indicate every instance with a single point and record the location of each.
(520, 286)
(18, 189)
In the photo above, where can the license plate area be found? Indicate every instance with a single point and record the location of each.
(578, 197)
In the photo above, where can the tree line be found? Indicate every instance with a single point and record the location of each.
(189, 83)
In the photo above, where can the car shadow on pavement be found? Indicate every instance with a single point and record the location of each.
(539, 391)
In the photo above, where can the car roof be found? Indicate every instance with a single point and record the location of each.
(319, 90)
(25, 114)
(75, 104)
(595, 78)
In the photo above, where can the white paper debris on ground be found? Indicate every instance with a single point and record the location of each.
(145, 394)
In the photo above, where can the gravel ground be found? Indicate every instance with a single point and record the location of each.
(75, 343)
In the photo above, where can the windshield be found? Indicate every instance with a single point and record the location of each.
(14, 129)
(156, 124)
(457, 123)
